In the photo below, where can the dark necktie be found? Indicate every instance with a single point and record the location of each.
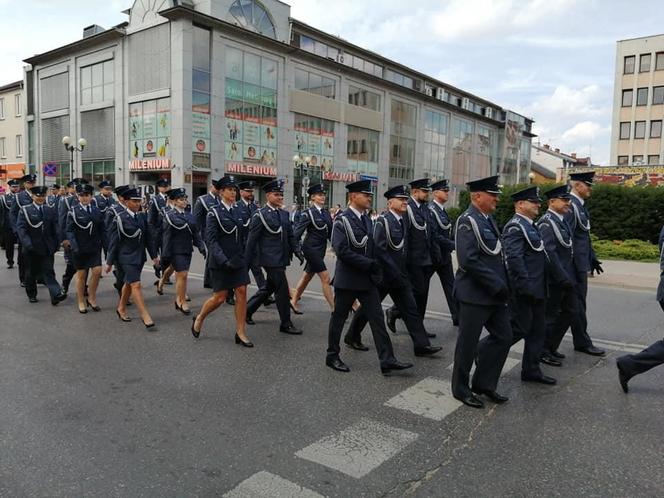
(87, 208)
(401, 224)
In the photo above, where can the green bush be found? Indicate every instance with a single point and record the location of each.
(633, 250)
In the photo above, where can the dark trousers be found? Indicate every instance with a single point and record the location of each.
(70, 271)
(20, 260)
(9, 240)
(580, 326)
(370, 301)
(257, 272)
(561, 307)
(446, 277)
(420, 276)
(40, 266)
(490, 353)
(405, 303)
(206, 275)
(527, 321)
(650, 357)
(276, 283)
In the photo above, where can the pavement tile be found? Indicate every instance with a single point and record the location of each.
(266, 485)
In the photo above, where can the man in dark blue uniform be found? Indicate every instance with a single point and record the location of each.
(561, 304)
(482, 290)
(392, 251)
(425, 250)
(203, 205)
(357, 274)
(630, 365)
(155, 217)
(54, 198)
(271, 239)
(440, 221)
(37, 229)
(527, 265)
(23, 198)
(6, 224)
(584, 258)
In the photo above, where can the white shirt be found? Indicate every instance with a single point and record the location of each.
(560, 216)
(131, 213)
(525, 218)
(271, 207)
(396, 215)
(416, 201)
(357, 213)
(441, 206)
(179, 210)
(577, 196)
(227, 206)
(320, 208)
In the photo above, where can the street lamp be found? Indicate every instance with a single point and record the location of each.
(531, 177)
(71, 148)
(303, 166)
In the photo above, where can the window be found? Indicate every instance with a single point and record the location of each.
(627, 97)
(656, 129)
(17, 105)
(19, 145)
(654, 159)
(462, 150)
(2, 108)
(96, 171)
(623, 160)
(644, 63)
(399, 79)
(624, 130)
(628, 67)
(315, 83)
(640, 129)
(97, 83)
(250, 14)
(201, 98)
(642, 96)
(637, 160)
(3, 148)
(659, 61)
(402, 142)
(658, 95)
(363, 98)
(435, 144)
(362, 151)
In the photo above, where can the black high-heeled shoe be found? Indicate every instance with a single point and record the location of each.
(150, 325)
(194, 332)
(247, 344)
(94, 308)
(83, 311)
(296, 311)
(181, 309)
(160, 289)
(123, 318)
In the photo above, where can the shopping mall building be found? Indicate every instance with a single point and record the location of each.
(193, 89)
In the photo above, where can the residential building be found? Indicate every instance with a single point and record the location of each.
(12, 124)
(638, 102)
(194, 89)
(549, 164)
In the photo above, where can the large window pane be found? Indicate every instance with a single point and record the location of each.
(658, 95)
(629, 64)
(642, 96)
(234, 67)
(639, 129)
(624, 130)
(627, 96)
(644, 64)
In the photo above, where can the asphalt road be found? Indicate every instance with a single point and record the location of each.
(94, 407)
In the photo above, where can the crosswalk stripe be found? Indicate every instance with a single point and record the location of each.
(431, 398)
(266, 485)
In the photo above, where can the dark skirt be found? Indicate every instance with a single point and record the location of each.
(180, 262)
(132, 273)
(315, 260)
(86, 260)
(228, 279)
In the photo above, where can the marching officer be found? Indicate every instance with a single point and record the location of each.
(392, 251)
(561, 303)
(584, 258)
(317, 223)
(53, 200)
(526, 261)
(66, 205)
(440, 220)
(271, 240)
(424, 250)
(23, 198)
(155, 217)
(84, 230)
(110, 215)
(37, 229)
(203, 205)
(356, 276)
(482, 291)
(7, 227)
(228, 267)
(103, 201)
(180, 235)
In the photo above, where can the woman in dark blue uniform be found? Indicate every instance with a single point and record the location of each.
(85, 233)
(129, 237)
(317, 222)
(228, 268)
(180, 235)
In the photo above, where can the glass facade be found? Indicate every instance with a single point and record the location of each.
(250, 108)
(486, 148)
(315, 83)
(96, 171)
(200, 108)
(363, 98)
(462, 150)
(314, 145)
(435, 144)
(97, 83)
(402, 142)
(362, 151)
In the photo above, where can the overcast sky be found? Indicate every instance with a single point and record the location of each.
(551, 60)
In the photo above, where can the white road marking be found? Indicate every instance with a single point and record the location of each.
(431, 398)
(267, 485)
(358, 449)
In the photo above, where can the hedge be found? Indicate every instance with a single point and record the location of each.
(633, 250)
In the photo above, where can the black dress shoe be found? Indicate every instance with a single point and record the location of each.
(397, 365)
(10, 266)
(431, 335)
(492, 395)
(337, 364)
(246, 344)
(33, 300)
(547, 359)
(182, 309)
(591, 350)
(270, 300)
(540, 379)
(471, 401)
(290, 329)
(390, 321)
(356, 345)
(194, 332)
(58, 299)
(427, 350)
(623, 378)
(249, 321)
(94, 308)
(556, 354)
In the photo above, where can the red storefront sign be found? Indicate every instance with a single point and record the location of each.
(150, 165)
(251, 169)
(338, 176)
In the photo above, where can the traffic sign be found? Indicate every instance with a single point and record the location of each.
(50, 169)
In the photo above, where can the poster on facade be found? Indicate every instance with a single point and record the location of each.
(135, 122)
(200, 132)
(233, 130)
(163, 118)
(163, 147)
(268, 136)
(150, 128)
(233, 151)
(268, 157)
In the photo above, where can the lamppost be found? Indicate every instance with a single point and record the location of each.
(303, 167)
(71, 148)
(531, 177)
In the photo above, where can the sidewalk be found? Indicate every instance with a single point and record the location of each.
(628, 274)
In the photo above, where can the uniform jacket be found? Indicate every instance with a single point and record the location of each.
(23, 198)
(391, 249)
(156, 209)
(225, 238)
(129, 237)
(38, 229)
(6, 203)
(103, 203)
(422, 235)
(180, 234)
(442, 225)
(318, 226)
(481, 277)
(54, 202)
(66, 205)
(579, 221)
(84, 230)
(558, 244)
(202, 207)
(353, 243)
(246, 211)
(271, 238)
(525, 258)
